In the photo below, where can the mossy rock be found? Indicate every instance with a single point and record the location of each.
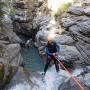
(2, 70)
(4, 80)
(1, 50)
(8, 78)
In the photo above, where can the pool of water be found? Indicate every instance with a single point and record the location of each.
(32, 59)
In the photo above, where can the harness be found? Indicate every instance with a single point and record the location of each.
(52, 47)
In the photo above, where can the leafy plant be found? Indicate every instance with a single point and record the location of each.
(13, 11)
(62, 9)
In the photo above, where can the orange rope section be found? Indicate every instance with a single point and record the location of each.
(73, 78)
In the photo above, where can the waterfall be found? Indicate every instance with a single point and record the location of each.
(51, 81)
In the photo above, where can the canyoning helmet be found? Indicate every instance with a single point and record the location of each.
(50, 38)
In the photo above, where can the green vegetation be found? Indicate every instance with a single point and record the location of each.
(2, 4)
(62, 9)
(12, 72)
(5, 79)
(12, 11)
(1, 73)
(9, 9)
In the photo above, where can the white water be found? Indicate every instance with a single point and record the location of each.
(21, 86)
(51, 81)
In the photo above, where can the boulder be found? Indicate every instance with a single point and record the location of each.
(87, 11)
(12, 54)
(41, 22)
(10, 58)
(86, 2)
(73, 20)
(70, 84)
(8, 28)
(76, 10)
(67, 22)
(64, 40)
(68, 53)
(84, 27)
(81, 27)
(41, 50)
(41, 36)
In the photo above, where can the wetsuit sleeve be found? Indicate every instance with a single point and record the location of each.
(47, 51)
(58, 48)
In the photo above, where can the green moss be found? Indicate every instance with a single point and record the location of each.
(2, 4)
(12, 11)
(62, 9)
(1, 73)
(1, 14)
(12, 72)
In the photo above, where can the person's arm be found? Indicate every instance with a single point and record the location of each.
(58, 48)
(47, 52)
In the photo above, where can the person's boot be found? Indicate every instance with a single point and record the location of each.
(57, 70)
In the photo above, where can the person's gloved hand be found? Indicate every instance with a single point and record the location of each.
(55, 54)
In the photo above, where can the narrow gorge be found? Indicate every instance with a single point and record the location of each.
(24, 28)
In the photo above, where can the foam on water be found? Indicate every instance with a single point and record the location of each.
(54, 79)
(51, 81)
(21, 86)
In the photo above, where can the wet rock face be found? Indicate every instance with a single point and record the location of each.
(10, 57)
(78, 24)
(68, 52)
(76, 11)
(74, 42)
(8, 30)
(8, 51)
(24, 16)
(10, 54)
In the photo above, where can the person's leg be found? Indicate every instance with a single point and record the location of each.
(56, 64)
(47, 64)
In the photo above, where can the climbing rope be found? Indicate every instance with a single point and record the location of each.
(73, 78)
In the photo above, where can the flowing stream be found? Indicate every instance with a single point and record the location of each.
(51, 81)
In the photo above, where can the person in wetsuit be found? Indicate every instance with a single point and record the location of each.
(51, 49)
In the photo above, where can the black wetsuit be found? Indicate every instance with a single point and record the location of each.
(50, 49)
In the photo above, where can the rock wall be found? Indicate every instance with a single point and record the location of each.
(8, 30)
(77, 24)
(22, 20)
(72, 33)
(10, 57)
